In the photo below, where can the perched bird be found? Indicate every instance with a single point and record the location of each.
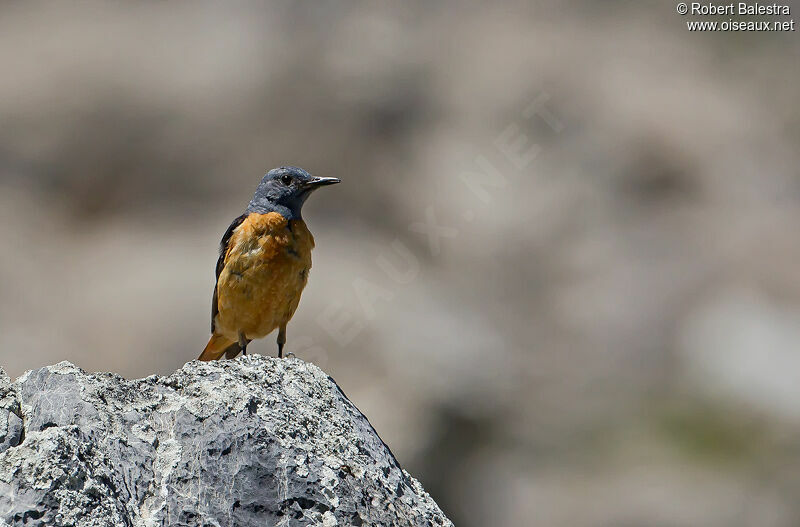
(263, 265)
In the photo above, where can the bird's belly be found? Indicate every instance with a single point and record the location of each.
(259, 288)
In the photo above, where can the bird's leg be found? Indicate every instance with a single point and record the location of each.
(281, 340)
(243, 343)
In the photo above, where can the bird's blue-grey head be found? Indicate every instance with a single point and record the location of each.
(284, 190)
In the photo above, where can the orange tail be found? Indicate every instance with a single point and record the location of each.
(217, 345)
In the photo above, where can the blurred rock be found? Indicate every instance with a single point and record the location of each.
(252, 441)
(741, 345)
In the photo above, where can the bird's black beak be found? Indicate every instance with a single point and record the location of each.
(322, 181)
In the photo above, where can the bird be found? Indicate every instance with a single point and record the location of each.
(263, 265)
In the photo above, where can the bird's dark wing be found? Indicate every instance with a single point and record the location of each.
(223, 249)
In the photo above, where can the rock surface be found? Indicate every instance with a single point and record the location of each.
(252, 441)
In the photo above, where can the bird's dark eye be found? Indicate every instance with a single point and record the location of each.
(286, 180)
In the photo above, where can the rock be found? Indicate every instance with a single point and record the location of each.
(252, 441)
(10, 420)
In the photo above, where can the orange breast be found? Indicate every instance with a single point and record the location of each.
(266, 268)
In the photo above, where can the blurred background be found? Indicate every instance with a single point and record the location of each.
(560, 275)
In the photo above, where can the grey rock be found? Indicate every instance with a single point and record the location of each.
(10, 421)
(252, 441)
